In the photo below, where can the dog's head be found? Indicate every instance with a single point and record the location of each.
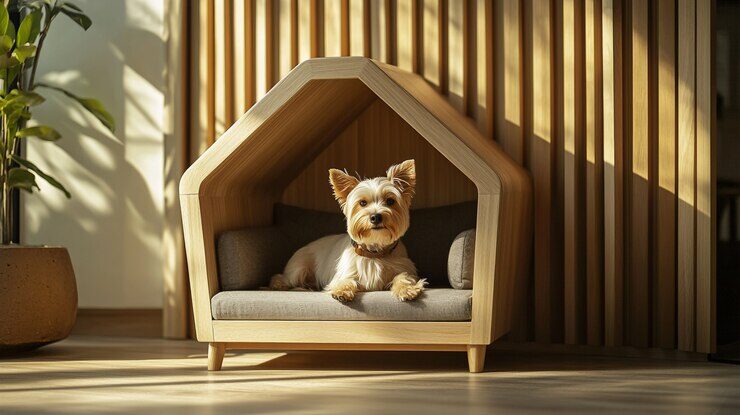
(377, 210)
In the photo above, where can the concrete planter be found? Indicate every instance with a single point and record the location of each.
(38, 297)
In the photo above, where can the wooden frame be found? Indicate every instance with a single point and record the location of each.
(237, 180)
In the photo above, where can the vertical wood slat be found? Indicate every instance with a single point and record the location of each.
(390, 31)
(357, 27)
(345, 28)
(511, 139)
(378, 31)
(431, 42)
(295, 56)
(594, 175)
(223, 68)
(639, 283)
(284, 45)
(542, 164)
(483, 77)
(405, 36)
(315, 30)
(664, 290)
(206, 69)
(574, 279)
(304, 30)
(332, 27)
(686, 174)
(613, 171)
(457, 57)
(706, 165)
(243, 56)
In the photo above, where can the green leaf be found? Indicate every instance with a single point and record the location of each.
(74, 13)
(11, 30)
(22, 179)
(22, 99)
(30, 166)
(42, 132)
(72, 6)
(8, 61)
(94, 106)
(4, 18)
(29, 28)
(6, 43)
(24, 52)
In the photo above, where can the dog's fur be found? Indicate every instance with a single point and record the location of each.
(332, 263)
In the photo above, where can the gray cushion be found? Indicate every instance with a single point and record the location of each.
(247, 258)
(441, 304)
(460, 260)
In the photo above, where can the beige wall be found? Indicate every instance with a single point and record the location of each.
(113, 224)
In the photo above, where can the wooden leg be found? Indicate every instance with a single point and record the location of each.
(216, 355)
(476, 358)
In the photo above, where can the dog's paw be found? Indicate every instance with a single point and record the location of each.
(406, 288)
(277, 283)
(344, 292)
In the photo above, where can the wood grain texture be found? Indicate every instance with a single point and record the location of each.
(594, 175)
(640, 198)
(686, 174)
(664, 292)
(613, 173)
(706, 168)
(573, 166)
(227, 188)
(375, 140)
(542, 160)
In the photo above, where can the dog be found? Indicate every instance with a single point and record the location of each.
(371, 256)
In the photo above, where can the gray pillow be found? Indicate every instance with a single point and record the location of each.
(460, 260)
(247, 258)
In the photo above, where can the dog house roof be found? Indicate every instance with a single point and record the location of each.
(301, 115)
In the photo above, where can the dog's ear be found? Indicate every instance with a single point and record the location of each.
(342, 184)
(403, 176)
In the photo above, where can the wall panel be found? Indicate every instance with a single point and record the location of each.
(608, 103)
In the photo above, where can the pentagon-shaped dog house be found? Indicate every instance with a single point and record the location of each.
(238, 180)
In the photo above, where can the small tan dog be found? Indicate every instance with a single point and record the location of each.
(371, 256)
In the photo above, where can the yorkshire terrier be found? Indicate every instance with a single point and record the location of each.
(371, 256)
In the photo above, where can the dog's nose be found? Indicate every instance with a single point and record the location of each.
(376, 218)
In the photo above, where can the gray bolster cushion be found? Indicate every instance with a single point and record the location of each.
(460, 260)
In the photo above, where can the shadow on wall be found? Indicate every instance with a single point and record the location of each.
(113, 223)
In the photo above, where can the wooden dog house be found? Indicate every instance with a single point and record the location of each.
(278, 151)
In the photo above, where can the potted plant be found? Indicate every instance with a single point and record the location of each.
(38, 293)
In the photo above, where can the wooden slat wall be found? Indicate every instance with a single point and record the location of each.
(608, 103)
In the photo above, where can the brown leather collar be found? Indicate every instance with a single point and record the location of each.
(362, 250)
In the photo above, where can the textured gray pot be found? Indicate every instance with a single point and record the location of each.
(38, 297)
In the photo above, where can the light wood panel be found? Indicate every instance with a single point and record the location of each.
(369, 145)
(686, 174)
(664, 292)
(542, 160)
(613, 173)
(625, 220)
(640, 198)
(594, 175)
(706, 168)
(573, 164)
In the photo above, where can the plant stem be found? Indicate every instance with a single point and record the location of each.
(32, 79)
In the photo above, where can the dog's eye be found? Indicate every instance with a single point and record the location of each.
(389, 202)
(363, 203)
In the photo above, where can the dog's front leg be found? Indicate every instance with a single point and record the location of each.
(344, 289)
(407, 287)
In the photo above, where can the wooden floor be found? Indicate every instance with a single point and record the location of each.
(119, 375)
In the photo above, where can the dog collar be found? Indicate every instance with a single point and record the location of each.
(363, 251)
